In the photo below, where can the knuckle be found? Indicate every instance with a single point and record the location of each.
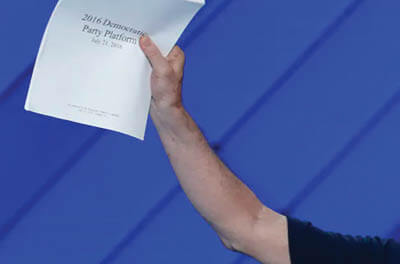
(180, 54)
(151, 52)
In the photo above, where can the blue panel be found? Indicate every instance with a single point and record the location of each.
(24, 23)
(244, 51)
(361, 197)
(321, 108)
(33, 149)
(98, 202)
(176, 236)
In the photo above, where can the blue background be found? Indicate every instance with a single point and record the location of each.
(299, 98)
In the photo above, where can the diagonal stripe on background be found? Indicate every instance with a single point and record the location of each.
(290, 71)
(160, 206)
(328, 170)
(49, 185)
(16, 83)
(194, 34)
(354, 142)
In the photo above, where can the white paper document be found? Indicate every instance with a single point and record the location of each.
(90, 68)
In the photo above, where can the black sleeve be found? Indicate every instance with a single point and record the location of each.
(308, 244)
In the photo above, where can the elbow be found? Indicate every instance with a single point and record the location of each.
(238, 237)
(231, 238)
(239, 243)
(247, 235)
(229, 244)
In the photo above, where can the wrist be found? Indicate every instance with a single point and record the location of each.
(174, 125)
(167, 116)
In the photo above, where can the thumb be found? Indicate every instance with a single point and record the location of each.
(158, 61)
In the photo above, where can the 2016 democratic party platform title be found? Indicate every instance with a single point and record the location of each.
(109, 28)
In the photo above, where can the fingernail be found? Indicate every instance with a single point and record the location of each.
(146, 41)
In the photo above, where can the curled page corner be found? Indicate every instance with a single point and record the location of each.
(90, 68)
(197, 1)
(202, 2)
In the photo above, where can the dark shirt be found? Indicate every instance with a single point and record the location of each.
(309, 244)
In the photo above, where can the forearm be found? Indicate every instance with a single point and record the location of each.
(220, 197)
(240, 219)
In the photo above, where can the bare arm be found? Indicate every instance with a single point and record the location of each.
(242, 222)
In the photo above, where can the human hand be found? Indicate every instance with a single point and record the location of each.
(167, 75)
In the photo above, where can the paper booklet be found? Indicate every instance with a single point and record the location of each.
(90, 68)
